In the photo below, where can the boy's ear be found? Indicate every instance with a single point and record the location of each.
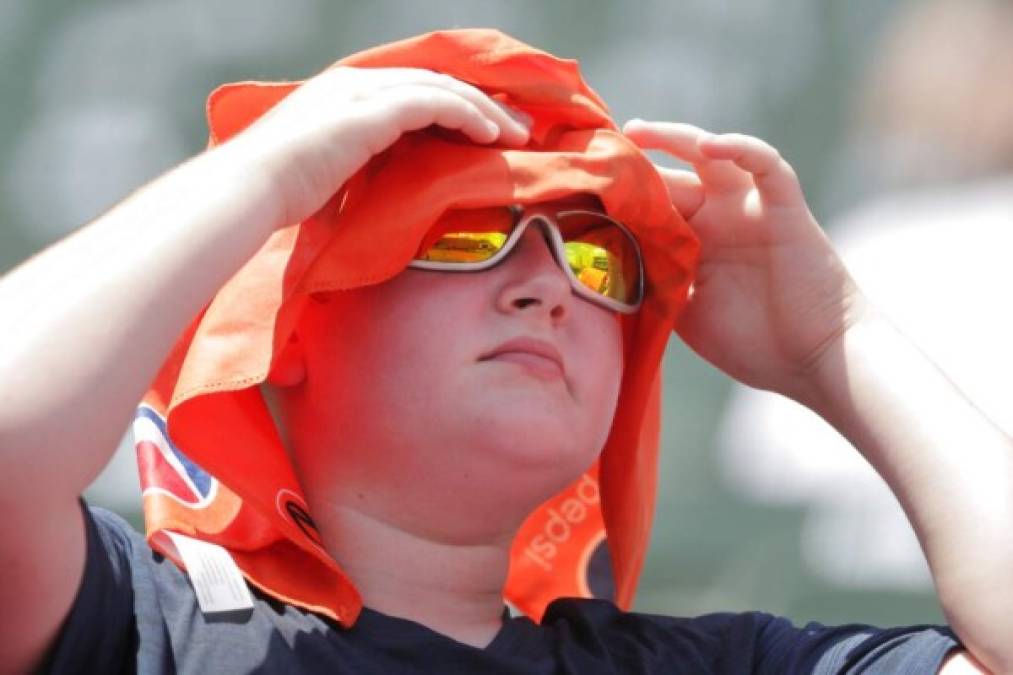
(289, 367)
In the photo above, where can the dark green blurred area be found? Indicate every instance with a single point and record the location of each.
(786, 71)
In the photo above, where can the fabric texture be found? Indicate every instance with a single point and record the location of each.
(136, 612)
(211, 461)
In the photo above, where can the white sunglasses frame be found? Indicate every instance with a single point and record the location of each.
(546, 219)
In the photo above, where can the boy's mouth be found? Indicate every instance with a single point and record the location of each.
(538, 357)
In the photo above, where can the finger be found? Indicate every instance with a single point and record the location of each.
(684, 188)
(412, 107)
(675, 138)
(514, 125)
(419, 105)
(774, 178)
(683, 141)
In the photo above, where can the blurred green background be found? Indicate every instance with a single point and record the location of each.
(101, 96)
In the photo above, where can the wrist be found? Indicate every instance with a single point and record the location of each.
(245, 163)
(824, 371)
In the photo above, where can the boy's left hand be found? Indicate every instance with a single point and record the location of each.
(771, 295)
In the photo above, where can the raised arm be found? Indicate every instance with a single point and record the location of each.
(775, 308)
(87, 322)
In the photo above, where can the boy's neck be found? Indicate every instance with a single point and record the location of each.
(455, 589)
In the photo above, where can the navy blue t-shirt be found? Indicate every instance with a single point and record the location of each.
(137, 612)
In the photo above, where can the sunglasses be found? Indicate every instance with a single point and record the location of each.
(599, 255)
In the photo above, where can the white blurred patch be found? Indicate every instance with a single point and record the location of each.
(863, 540)
(72, 164)
(937, 262)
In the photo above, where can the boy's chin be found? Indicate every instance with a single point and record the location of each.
(549, 459)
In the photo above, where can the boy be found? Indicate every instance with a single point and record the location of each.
(427, 411)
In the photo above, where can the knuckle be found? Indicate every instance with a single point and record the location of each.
(444, 80)
(338, 75)
(767, 153)
(761, 146)
(783, 166)
(773, 152)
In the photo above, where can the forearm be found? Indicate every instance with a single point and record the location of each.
(950, 468)
(87, 322)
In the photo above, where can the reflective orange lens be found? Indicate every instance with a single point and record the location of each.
(465, 247)
(467, 235)
(600, 254)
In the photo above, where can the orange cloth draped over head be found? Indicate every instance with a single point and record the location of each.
(212, 463)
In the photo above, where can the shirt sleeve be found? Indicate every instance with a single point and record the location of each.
(99, 633)
(853, 649)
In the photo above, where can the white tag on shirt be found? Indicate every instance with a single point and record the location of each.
(214, 574)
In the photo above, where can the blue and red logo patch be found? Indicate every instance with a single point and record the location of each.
(164, 469)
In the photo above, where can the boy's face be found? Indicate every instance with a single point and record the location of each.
(419, 406)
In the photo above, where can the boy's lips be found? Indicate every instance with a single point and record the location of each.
(538, 357)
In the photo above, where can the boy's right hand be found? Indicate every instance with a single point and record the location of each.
(323, 132)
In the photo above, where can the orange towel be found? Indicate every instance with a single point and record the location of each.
(211, 462)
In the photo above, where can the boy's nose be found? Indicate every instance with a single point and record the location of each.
(535, 281)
